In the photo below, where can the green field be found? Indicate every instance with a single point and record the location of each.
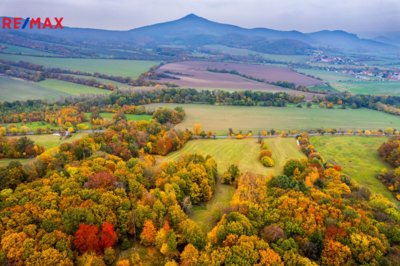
(246, 52)
(329, 76)
(12, 89)
(219, 118)
(358, 157)
(70, 88)
(16, 89)
(130, 117)
(344, 82)
(371, 87)
(103, 81)
(13, 49)
(203, 214)
(244, 153)
(51, 141)
(126, 68)
(33, 125)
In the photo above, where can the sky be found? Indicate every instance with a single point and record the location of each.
(359, 16)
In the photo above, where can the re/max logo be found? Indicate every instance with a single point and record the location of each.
(31, 23)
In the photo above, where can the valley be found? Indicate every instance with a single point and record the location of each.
(195, 142)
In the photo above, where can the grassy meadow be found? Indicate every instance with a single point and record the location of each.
(115, 67)
(13, 49)
(12, 89)
(51, 141)
(33, 125)
(244, 153)
(358, 157)
(70, 88)
(246, 52)
(344, 82)
(203, 214)
(219, 118)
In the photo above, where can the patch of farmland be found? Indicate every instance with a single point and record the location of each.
(196, 74)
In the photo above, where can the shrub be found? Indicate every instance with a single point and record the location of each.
(230, 175)
(291, 165)
(264, 153)
(267, 161)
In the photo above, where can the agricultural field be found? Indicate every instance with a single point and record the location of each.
(12, 89)
(220, 118)
(195, 74)
(245, 52)
(211, 80)
(126, 68)
(371, 87)
(13, 49)
(343, 82)
(103, 81)
(358, 157)
(329, 76)
(70, 88)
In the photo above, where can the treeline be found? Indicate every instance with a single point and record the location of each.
(22, 147)
(72, 118)
(390, 153)
(166, 115)
(26, 117)
(265, 155)
(245, 98)
(175, 95)
(388, 104)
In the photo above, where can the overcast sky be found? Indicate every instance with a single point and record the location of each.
(304, 15)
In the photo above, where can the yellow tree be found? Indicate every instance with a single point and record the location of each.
(148, 234)
(189, 255)
(335, 253)
(197, 129)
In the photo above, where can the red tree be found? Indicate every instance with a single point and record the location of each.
(86, 238)
(108, 236)
(101, 180)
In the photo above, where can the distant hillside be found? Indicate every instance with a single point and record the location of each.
(392, 38)
(193, 31)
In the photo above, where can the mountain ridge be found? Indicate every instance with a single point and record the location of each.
(194, 31)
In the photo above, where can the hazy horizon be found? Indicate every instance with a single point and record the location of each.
(362, 17)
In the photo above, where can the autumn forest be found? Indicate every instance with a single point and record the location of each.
(156, 140)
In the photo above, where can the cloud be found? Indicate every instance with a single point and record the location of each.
(303, 15)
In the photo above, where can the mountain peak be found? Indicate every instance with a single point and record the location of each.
(192, 16)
